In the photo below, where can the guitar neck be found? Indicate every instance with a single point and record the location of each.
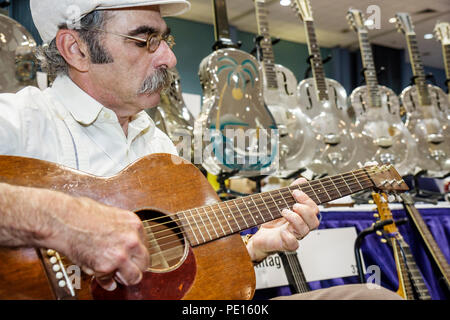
(413, 271)
(211, 222)
(427, 237)
(221, 25)
(446, 55)
(294, 272)
(316, 61)
(418, 70)
(268, 59)
(369, 68)
(405, 288)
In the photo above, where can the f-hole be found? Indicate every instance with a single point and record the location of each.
(166, 243)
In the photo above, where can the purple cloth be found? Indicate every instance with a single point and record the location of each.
(376, 253)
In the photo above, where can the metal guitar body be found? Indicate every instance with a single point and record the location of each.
(297, 140)
(174, 118)
(339, 146)
(393, 143)
(235, 129)
(429, 126)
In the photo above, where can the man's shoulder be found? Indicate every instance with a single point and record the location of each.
(27, 98)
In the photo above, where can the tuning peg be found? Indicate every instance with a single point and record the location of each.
(376, 215)
(383, 240)
(379, 233)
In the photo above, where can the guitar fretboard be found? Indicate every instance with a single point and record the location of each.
(446, 55)
(211, 222)
(266, 45)
(316, 61)
(403, 278)
(418, 70)
(369, 69)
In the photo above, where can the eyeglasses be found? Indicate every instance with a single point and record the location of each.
(152, 42)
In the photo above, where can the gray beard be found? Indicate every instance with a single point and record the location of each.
(160, 79)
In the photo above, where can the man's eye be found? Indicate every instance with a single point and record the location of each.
(141, 44)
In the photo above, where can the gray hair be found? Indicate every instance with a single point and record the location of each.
(51, 60)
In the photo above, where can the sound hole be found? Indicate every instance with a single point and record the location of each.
(166, 242)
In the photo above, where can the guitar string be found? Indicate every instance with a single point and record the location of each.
(244, 215)
(182, 232)
(296, 271)
(219, 220)
(309, 185)
(265, 197)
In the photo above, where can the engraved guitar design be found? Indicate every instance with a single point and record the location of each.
(194, 240)
(411, 284)
(377, 110)
(297, 140)
(426, 108)
(325, 102)
(235, 129)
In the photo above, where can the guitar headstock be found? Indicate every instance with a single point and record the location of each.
(404, 23)
(384, 213)
(386, 178)
(442, 32)
(355, 19)
(303, 9)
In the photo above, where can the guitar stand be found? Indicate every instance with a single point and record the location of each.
(429, 76)
(308, 61)
(424, 195)
(256, 51)
(379, 72)
(362, 197)
(359, 239)
(224, 192)
(258, 180)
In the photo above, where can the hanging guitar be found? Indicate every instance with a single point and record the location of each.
(325, 102)
(442, 33)
(377, 110)
(411, 284)
(297, 142)
(433, 250)
(235, 129)
(426, 110)
(195, 247)
(174, 118)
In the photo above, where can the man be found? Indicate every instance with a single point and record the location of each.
(112, 58)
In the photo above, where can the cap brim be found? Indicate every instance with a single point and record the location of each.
(167, 8)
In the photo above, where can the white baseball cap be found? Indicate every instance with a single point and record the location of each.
(48, 15)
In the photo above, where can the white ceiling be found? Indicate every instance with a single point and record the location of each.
(331, 25)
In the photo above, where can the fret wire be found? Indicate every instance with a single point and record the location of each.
(201, 218)
(287, 205)
(248, 211)
(217, 218)
(257, 207)
(190, 225)
(212, 224)
(227, 217)
(223, 214)
(198, 228)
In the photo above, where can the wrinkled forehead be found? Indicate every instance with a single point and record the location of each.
(128, 19)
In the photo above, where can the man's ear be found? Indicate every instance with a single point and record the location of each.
(73, 49)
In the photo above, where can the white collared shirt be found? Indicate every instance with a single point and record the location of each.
(63, 124)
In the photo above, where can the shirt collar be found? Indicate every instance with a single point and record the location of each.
(82, 106)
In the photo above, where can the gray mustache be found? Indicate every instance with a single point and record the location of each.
(160, 79)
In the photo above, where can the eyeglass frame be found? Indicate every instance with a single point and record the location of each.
(168, 38)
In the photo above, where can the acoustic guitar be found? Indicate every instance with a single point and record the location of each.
(297, 139)
(411, 285)
(324, 100)
(426, 110)
(234, 116)
(194, 243)
(377, 110)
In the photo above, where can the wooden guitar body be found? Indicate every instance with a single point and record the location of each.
(158, 184)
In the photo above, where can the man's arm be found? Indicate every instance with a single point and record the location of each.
(105, 241)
